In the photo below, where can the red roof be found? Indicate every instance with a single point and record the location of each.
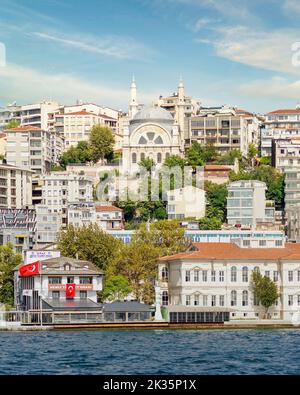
(100, 208)
(284, 111)
(84, 112)
(216, 167)
(241, 111)
(26, 128)
(231, 251)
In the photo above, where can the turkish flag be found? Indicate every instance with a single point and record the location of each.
(70, 290)
(29, 270)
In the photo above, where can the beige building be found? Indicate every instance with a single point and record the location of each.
(186, 202)
(34, 114)
(286, 153)
(15, 187)
(29, 147)
(225, 127)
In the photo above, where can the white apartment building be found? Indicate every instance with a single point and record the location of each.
(61, 188)
(286, 153)
(48, 224)
(106, 216)
(279, 124)
(76, 126)
(225, 127)
(29, 147)
(247, 205)
(215, 278)
(15, 187)
(186, 202)
(292, 187)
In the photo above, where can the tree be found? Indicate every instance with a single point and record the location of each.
(8, 261)
(229, 157)
(116, 288)
(14, 123)
(265, 290)
(175, 160)
(89, 243)
(101, 142)
(216, 197)
(195, 155)
(147, 163)
(137, 261)
(75, 155)
(252, 153)
(210, 223)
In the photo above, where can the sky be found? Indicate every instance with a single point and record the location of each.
(237, 52)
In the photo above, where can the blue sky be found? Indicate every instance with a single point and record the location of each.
(234, 52)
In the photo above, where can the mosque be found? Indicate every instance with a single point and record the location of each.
(152, 132)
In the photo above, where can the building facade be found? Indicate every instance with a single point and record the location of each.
(48, 224)
(186, 202)
(217, 276)
(247, 205)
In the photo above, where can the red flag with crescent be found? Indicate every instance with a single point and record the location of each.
(70, 290)
(31, 269)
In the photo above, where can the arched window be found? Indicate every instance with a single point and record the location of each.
(142, 140)
(165, 298)
(245, 298)
(142, 156)
(245, 274)
(158, 140)
(167, 155)
(233, 274)
(165, 274)
(159, 157)
(256, 269)
(134, 157)
(233, 298)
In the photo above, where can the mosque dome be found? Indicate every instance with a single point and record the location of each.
(157, 114)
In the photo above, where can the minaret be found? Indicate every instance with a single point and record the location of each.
(133, 106)
(180, 106)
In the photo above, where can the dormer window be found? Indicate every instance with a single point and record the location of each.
(67, 267)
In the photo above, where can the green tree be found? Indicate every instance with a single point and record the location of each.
(116, 288)
(252, 153)
(88, 243)
(147, 163)
(195, 155)
(101, 142)
(175, 160)
(216, 198)
(14, 123)
(76, 155)
(8, 261)
(210, 223)
(229, 157)
(265, 290)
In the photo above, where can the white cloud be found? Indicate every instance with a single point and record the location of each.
(276, 87)
(270, 50)
(27, 85)
(291, 7)
(112, 46)
(202, 23)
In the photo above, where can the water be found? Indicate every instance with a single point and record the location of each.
(151, 352)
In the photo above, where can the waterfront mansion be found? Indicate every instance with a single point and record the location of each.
(216, 277)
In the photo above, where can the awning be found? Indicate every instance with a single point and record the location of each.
(71, 305)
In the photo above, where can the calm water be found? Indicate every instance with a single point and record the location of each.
(151, 352)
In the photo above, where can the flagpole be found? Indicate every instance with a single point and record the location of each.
(41, 313)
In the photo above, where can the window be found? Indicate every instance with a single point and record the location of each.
(267, 273)
(245, 274)
(196, 275)
(290, 300)
(204, 300)
(83, 294)
(54, 280)
(55, 294)
(213, 300)
(233, 274)
(159, 157)
(188, 300)
(213, 275)
(196, 300)
(256, 269)
(134, 157)
(187, 275)
(85, 280)
(255, 300)
(221, 300)
(290, 275)
(298, 300)
(221, 276)
(233, 298)
(70, 280)
(262, 243)
(245, 298)
(204, 275)
(165, 274)
(165, 298)
(275, 276)
(298, 275)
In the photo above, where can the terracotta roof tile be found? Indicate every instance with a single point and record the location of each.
(26, 128)
(107, 208)
(217, 167)
(284, 111)
(231, 251)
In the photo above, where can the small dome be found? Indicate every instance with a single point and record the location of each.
(153, 113)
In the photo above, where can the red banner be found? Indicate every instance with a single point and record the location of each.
(70, 290)
(31, 269)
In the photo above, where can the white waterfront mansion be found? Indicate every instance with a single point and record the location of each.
(216, 278)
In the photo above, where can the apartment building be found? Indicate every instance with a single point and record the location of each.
(226, 128)
(247, 205)
(18, 226)
(5, 117)
(286, 153)
(215, 278)
(106, 216)
(292, 187)
(15, 187)
(279, 124)
(48, 225)
(61, 188)
(29, 147)
(186, 202)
